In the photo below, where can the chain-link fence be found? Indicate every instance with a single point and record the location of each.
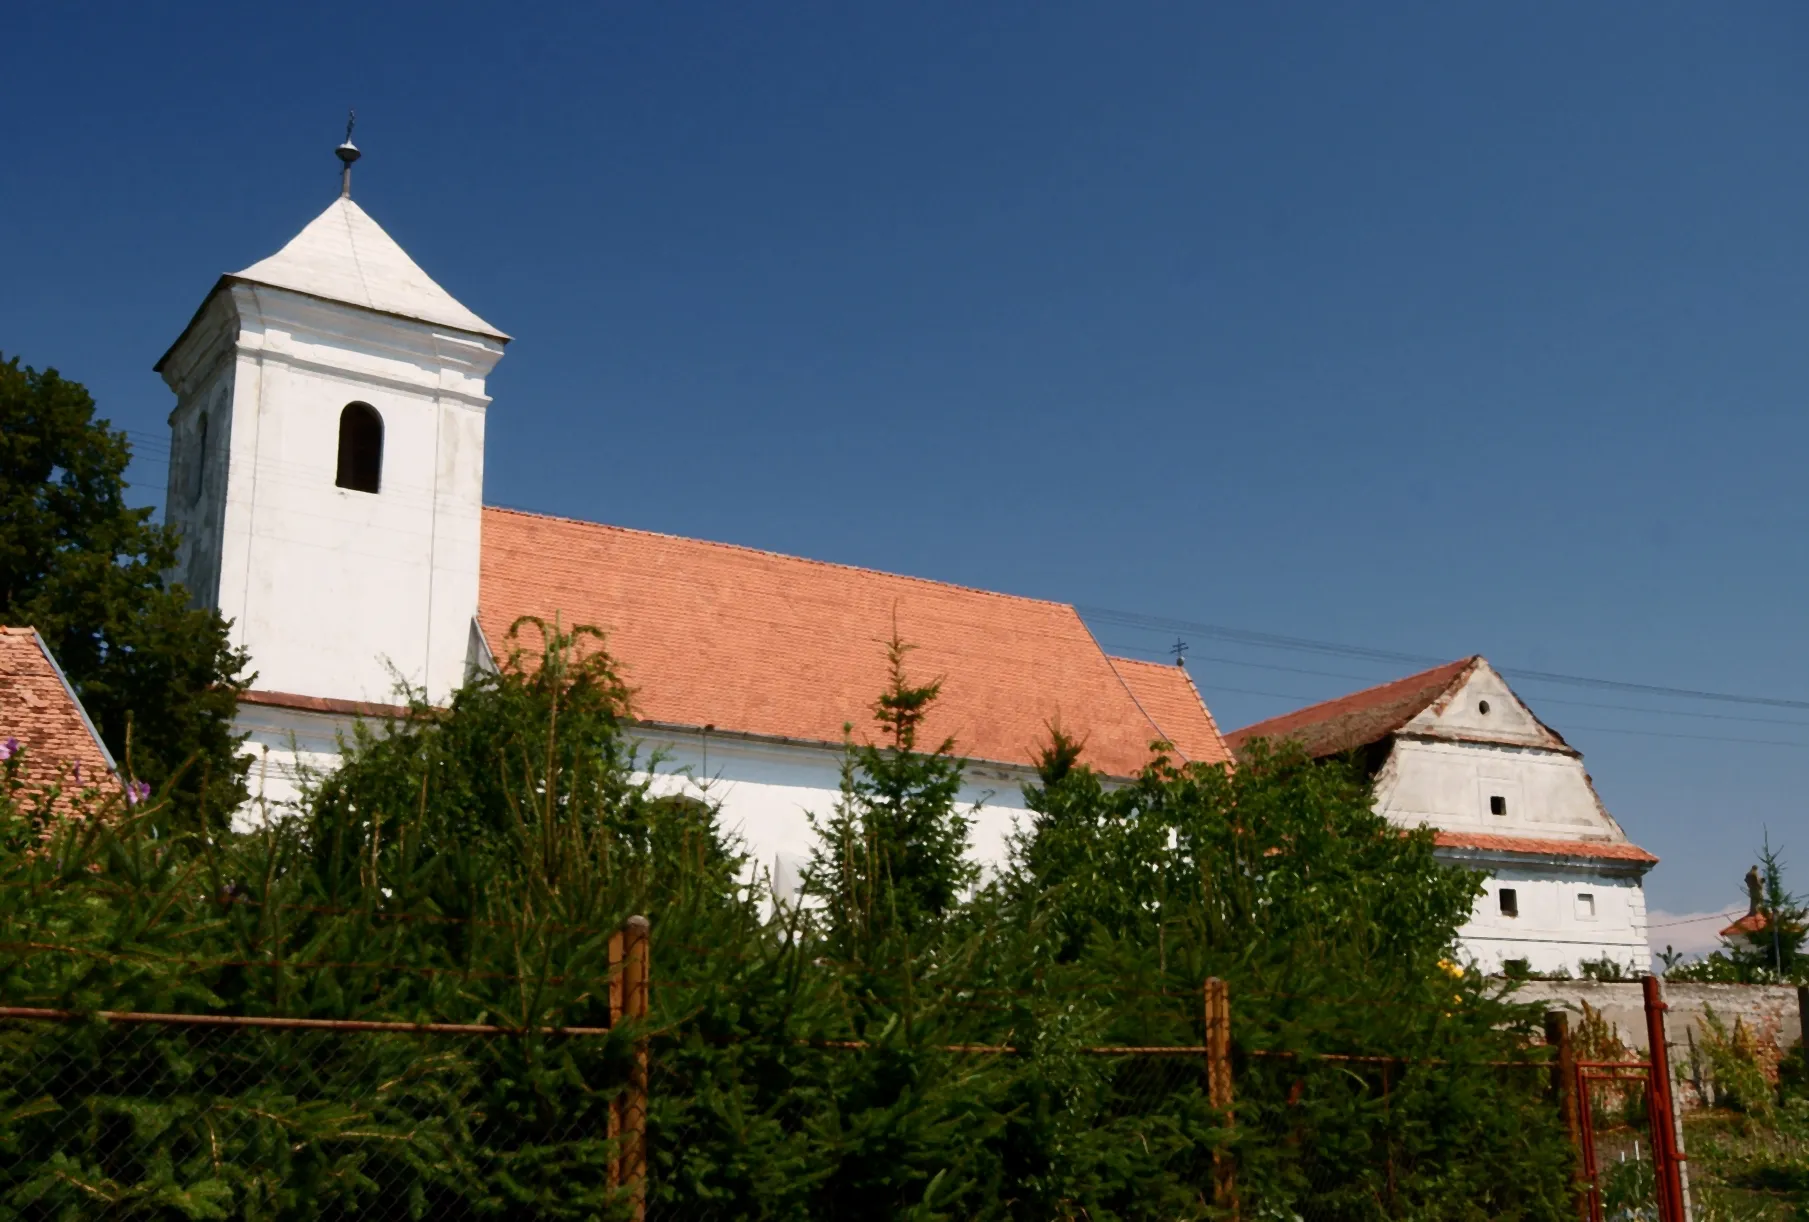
(178, 1118)
(141, 1115)
(172, 1116)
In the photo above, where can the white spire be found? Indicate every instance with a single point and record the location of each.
(344, 255)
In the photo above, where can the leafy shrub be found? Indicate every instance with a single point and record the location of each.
(1735, 1068)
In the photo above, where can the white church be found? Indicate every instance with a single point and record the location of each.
(327, 477)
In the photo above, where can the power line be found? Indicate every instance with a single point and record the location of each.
(1271, 640)
(1695, 920)
(1697, 738)
(1121, 648)
(1268, 640)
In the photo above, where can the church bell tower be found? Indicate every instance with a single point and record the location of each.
(327, 462)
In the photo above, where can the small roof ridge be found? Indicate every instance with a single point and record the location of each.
(768, 552)
(1165, 667)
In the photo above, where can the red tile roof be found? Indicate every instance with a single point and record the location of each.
(1169, 698)
(40, 710)
(1596, 850)
(1751, 923)
(1360, 718)
(753, 642)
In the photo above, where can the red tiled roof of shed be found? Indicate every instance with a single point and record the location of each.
(40, 710)
(1361, 718)
(748, 641)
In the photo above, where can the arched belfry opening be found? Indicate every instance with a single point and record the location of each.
(360, 448)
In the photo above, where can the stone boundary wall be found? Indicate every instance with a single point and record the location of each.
(1769, 1010)
(1772, 1012)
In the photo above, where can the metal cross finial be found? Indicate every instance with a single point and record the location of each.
(347, 154)
(1179, 649)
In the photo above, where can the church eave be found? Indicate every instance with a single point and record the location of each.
(192, 321)
(228, 280)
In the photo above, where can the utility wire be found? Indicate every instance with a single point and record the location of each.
(1270, 640)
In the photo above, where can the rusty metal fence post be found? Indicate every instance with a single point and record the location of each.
(629, 989)
(1666, 1157)
(1564, 1094)
(1218, 1087)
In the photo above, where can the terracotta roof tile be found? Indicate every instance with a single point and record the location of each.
(38, 708)
(1751, 923)
(1168, 696)
(1358, 719)
(749, 641)
(1593, 849)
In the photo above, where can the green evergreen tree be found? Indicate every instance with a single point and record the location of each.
(1337, 934)
(1776, 948)
(892, 857)
(159, 677)
(1771, 950)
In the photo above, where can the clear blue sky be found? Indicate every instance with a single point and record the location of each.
(1448, 329)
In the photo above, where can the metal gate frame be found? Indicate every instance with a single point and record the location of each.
(1655, 1073)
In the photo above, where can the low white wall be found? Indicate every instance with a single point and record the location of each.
(285, 746)
(767, 790)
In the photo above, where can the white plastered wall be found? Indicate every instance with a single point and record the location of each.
(335, 593)
(286, 747)
(766, 789)
(1568, 912)
(1449, 785)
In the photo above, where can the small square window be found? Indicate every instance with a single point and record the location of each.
(1510, 902)
(1497, 804)
(1585, 906)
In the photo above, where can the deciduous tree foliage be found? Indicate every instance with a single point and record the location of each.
(157, 676)
(810, 1059)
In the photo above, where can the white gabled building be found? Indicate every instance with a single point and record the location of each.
(1454, 748)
